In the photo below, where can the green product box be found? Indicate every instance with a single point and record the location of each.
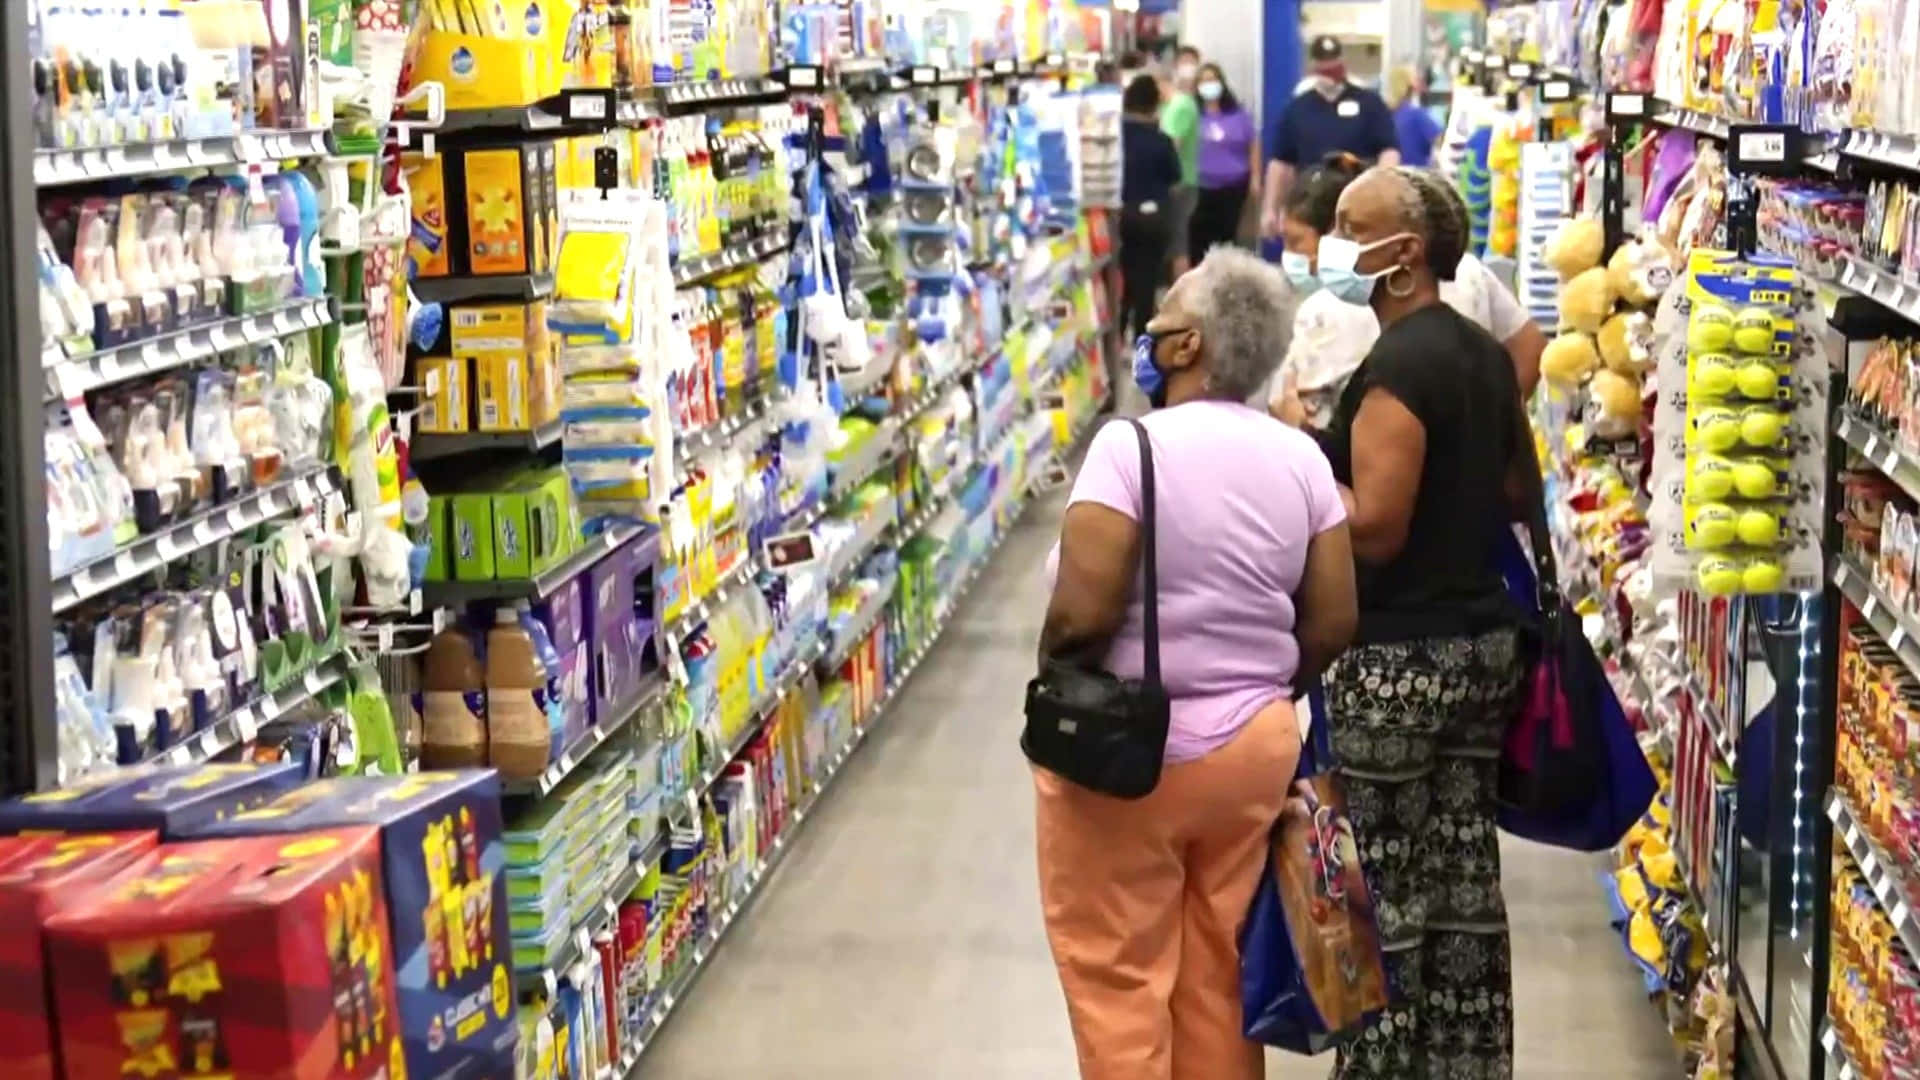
(470, 523)
(439, 565)
(533, 524)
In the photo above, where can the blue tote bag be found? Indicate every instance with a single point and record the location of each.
(1311, 974)
(1572, 772)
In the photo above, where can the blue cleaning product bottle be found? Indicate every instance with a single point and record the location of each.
(551, 695)
(306, 257)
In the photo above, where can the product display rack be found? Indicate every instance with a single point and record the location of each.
(721, 684)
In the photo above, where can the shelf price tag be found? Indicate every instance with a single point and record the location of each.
(1897, 638)
(1763, 146)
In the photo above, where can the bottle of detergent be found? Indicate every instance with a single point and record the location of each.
(519, 736)
(452, 702)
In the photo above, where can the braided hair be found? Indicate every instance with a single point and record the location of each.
(1312, 200)
(1443, 220)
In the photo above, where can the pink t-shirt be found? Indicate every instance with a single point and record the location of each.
(1239, 495)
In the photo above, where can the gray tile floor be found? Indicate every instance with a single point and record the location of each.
(901, 937)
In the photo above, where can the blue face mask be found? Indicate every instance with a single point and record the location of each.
(1299, 270)
(1146, 370)
(1338, 256)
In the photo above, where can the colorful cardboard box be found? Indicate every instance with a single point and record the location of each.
(170, 799)
(255, 957)
(443, 861)
(36, 873)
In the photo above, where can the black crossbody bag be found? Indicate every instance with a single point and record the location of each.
(1105, 733)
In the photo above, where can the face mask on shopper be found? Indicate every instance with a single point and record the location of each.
(1299, 270)
(1211, 91)
(1146, 368)
(1339, 256)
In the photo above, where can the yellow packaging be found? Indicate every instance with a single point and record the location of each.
(497, 211)
(514, 367)
(481, 72)
(428, 244)
(446, 395)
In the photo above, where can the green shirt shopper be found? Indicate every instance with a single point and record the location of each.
(1181, 121)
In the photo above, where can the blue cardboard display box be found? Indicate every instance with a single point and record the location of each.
(444, 862)
(173, 799)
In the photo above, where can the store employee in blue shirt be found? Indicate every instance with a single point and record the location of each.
(1328, 115)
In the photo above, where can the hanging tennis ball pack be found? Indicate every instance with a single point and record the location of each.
(1739, 408)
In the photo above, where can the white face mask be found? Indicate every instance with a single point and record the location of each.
(1210, 90)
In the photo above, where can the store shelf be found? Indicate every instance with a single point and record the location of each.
(592, 739)
(698, 268)
(724, 432)
(1898, 628)
(881, 448)
(1881, 148)
(1881, 450)
(1875, 284)
(701, 610)
(544, 979)
(1886, 878)
(858, 626)
(680, 96)
(790, 677)
(155, 550)
(880, 518)
(428, 446)
(540, 586)
(1840, 1064)
(522, 288)
(241, 724)
(69, 376)
(54, 168)
(583, 110)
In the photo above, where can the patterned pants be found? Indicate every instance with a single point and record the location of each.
(1416, 731)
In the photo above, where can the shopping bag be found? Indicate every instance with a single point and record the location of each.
(1311, 973)
(1571, 770)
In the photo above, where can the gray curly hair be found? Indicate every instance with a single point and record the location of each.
(1244, 308)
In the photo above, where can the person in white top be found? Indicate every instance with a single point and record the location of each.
(1330, 338)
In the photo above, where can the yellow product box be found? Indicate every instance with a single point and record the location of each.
(446, 398)
(514, 367)
(502, 210)
(429, 243)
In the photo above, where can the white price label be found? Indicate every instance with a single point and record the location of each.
(1520, 71)
(1763, 146)
(1899, 913)
(547, 980)
(205, 532)
(1867, 864)
(1897, 638)
(587, 107)
(1556, 90)
(314, 681)
(256, 331)
(245, 727)
(168, 156)
(152, 356)
(180, 754)
(247, 148)
(1852, 834)
(125, 565)
(386, 637)
(1627, 104)
(803, 78)
(1873, 445)
(223, 339)
(925, 76)
(236, 519)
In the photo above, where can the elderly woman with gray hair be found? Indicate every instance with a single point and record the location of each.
(1144, 899)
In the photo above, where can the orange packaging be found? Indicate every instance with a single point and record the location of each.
(36, 872)
(265, 956)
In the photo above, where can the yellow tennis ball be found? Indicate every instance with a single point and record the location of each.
(1754, 479)
(1718, 575)
(1713, 374)
(1713, 525)
(1710, 328)
(1758, 380)
(1761, 425)
(1712, 476)
(1762, 576)
(1717, 429)
(1753, 330)
(1757, 527)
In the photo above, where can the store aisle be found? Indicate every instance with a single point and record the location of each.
(901, 937)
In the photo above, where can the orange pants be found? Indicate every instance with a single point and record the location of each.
(1144, 900)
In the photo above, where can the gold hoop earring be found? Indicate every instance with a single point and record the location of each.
(1411, 284)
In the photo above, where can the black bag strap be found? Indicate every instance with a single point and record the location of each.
(1149, 556)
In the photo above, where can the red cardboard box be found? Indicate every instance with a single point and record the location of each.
(248, 958)
(36, 872)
